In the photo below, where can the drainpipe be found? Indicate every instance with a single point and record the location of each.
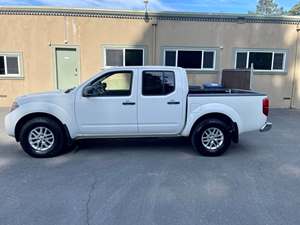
(295, 69)
(66, 36)
(154, 25)
(221, 48)
(154, 40)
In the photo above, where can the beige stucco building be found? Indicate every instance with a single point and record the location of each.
(47, 48)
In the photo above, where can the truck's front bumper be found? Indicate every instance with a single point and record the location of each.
(266, 127)
(9, 124)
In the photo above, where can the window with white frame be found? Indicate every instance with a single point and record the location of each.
(124, 57)
(191, 59)
(9, 65)
(261, 60)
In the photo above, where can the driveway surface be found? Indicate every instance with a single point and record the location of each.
(156, 181)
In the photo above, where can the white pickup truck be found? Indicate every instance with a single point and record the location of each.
(124, 102)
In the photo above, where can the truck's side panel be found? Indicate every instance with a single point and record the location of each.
(245, 110)
(59, 106)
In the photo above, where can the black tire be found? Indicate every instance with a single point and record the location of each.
(206, 126)
(58, 141)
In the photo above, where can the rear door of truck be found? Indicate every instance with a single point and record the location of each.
(161, 102)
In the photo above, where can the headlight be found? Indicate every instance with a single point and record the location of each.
(14, 106)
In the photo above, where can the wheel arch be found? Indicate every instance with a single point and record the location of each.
(220, 116)
(30, 116)
(211, 110)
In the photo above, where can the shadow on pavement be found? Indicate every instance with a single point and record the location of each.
(136, 145)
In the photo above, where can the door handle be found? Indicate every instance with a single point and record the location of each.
(172, 102)
(128, 103)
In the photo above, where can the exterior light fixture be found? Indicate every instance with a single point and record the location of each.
(146, 2)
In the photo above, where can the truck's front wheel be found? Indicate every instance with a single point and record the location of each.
(42, 137)
(211, 137)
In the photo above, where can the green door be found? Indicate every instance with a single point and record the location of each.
(66, 68)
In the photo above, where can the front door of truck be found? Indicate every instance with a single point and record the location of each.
(108, 105)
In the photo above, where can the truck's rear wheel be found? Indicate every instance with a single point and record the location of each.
(211, 137)
(42, 137)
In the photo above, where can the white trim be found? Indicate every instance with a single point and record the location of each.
(202, 57)
(284, 61)
(272, 63)
(123, 52)
(176, 58)
(7, 75)
(190, 50)
(247, 62)
(5, 64)
(263, 51)
(104, 57)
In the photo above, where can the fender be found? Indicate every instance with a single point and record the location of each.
(211, 108)
(45, 107)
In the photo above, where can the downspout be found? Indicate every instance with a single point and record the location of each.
(295, 69)
(66, 36)
(221, 48)
(154, 41)
(154, 25)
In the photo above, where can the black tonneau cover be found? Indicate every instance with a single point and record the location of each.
(198, 90)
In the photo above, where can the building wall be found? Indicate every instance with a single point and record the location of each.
(29, 35)
(36, 36)
(229, 36)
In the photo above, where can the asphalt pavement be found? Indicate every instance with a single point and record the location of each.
(156, 181)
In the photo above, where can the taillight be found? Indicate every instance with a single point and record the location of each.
(265, 105)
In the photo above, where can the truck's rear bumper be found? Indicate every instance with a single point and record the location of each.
(266, 127)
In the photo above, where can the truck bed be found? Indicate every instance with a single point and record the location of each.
(246, 105)
(199, 91)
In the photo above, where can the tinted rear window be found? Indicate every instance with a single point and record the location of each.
(158, 82)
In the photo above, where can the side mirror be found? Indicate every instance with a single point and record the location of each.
(89, 91)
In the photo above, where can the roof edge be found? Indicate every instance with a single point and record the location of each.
(135, 14)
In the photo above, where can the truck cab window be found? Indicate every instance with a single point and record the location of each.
(115, 84)
(158, 83)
